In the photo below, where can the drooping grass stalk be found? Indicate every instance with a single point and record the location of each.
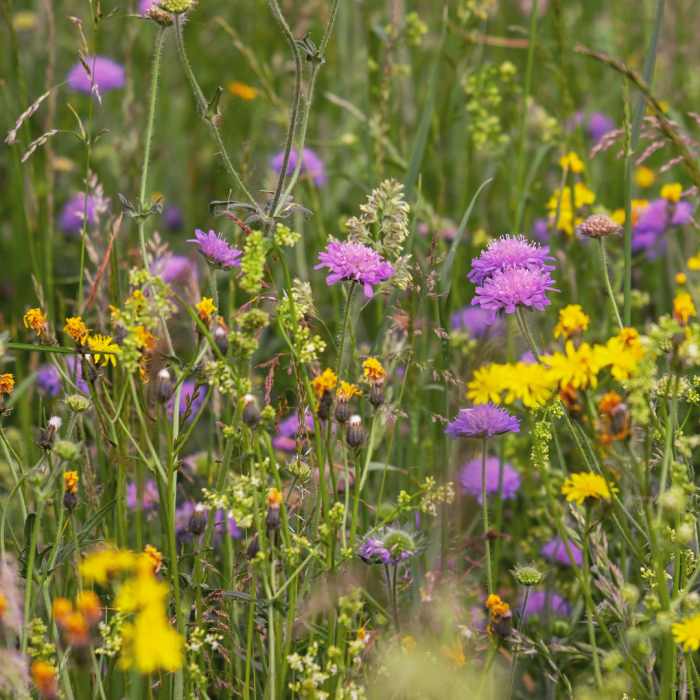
(485, 511)
(606, 277)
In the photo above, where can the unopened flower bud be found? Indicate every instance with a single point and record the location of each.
(355, 435)
(251, 412)
(376, 394)
(598, 226)
(253, 548)
(177, 7)
(501, 624)
(49, 435)
(325, 403)
(77, 403)
(342, 411)
(528, 575)
(66, 450)
(198, 520)
(221, 337)
(561, 628)
(164, 386)
(159, 16)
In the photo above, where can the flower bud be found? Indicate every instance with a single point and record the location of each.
(251, 412)
(253, 548)
(221, 337)
(355, 435)
(177, 7)
(561, 628)
(325, 404)
(198, 520)
(164, 386)
(342, 411)
(66, 450)
(77, 403)
(274, 501)
(528, 575)
(501, 624)
(376, 394)
(49, 435)
(70, 487)
(159, 16)
(598, 226)
(121, 334)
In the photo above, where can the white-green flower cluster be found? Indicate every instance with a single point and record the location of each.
(313, 677)
(220, 375)
(285, 236)
(238, 500)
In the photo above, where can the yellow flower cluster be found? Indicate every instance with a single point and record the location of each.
(568, 219)
(36, 320)
(571, 320)
(346, 391)
(637, 208)
(586, 487)
(325, 382)
(683, 308)
(75, 327)
(206, 308)
(687, 632)
(532, 384)
(572, 162)
(70, 482)
(373, 369)
(101, 344)
(7, 383)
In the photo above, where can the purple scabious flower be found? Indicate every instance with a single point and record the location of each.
(354, 261)
(175, 269)
(657, 217)
(372, 548)
(145, 5)
(556, 553)
(289, 431)
(70, 220)
(150, 498)
(311, 165)
(484, 420)
(108, 74)
(172, 217)
(187, 390)
(539, 602)
(216, 250)
(48, 380)
(470, 479)
(473, 320)
(515, 287)
(506, 253)
(598, 125)
(181, 521)
(79, 380)
(540, 229)
(222, 521)
(390, 545)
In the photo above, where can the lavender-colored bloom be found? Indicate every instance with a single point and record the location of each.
(222, 521)
(373, 548)
(150, 497)
(311, 165)
(354, 261)
(507, 253)
(79, 380)
(108, 74)
(48, 380)
(539, 602)
(181, 521)
(540, 229)
(172, 217)
(484, 420)
(216, 250)
(657, 217)
(473, 320)
(515, 287)
(575, 120)
(145, 6)
(70, 220)
(556, 553)
(187, 390)
(13, 613)
(598, 125)
(175, 269)
(289, 431)
(527, 358)
(381, 550)
(470, 479)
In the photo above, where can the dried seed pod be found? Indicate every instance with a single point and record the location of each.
(355, 435)
(164, 386)
(49, 435)
(251, 412)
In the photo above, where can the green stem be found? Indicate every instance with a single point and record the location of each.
(589, 607)
(344, 330)
(513, 665)
(30, 577)
(606, 277)
(485, 509)
(13, 471)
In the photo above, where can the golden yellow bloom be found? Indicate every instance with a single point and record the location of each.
(61, 609)
(142, 592)
(488, 384)
(609, 401)
(571, 320)
(496, 605)
(373, 369)
(145, 339)
(150, 643)
(151, 559)
(346, 391)
(409, 644)
(7, 383)
(88, 603)
(574, 163)
(577, 367)
(683, 308)
(35, 320)
(70, 482)
(44, 677)
(137, 300)
(3, 605)
(101, 344)
(582, 195)
(106, 564)
(586, 487)
(361, 634)
(672, 192)
(325, 382)
(76, 328)
(637, 207)
(274, 497)
(687, 632)
(694, 263)
(206, 308)
(245, 92)
(532, 384)
(456, 654)
(645, 177)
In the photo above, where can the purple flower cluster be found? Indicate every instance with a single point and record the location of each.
(658, 216)
(108, 74)
(539, 602)
(556, 553)
(175, 269)
(354, 261)
(183, 514)
(470, 479)
(484, 420)
(187, 390)
(70, 220)
(512, 272)
(48, 380)
(289, 430)
(473, 320)
(149, 497)
(373, 549)
(311, 165)
(216, 250)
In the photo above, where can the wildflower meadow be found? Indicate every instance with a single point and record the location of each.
(349, 350)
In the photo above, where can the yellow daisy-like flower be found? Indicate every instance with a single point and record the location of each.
(577, 367)
(325, 382)
(150, 643)
(36, 320)
(488, 384)
(694, 263)
(373, 369)
(7, 383)
(496, 605)
(571, 320)
(683, 308)
(151, 559)
(574, 163)
(637, 207)
(76, 329)
(681, 278)
(245, 92)
(106, 564)
(456, 654)
(206, 308)
(645, 177)
(101, 344)
(274, 497)
(346, 391)
(586, 487)
(582, 195)
(687, 632)
(70, 482)
(145, 338)
(672, 192)
(532, 384)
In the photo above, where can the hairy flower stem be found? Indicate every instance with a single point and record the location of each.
(485, 508)
(589, 602)
(606, 277)
(356, 501)
(514, 663)
(30, 576)
(249, 645)
(215, 296)
(344, 330)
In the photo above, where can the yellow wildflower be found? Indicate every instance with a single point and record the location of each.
(373, 369)
(88, 603)
(106, 564)
(694, 263)
(582, 195)
(532, 384)
(586, 487)
(70, 482)
(76, 328)
(36, 320)
(456, 654)
(274, 497)
(145, 339)
(206, 308)
(361, 634)
(496, 605)
(672, 192)
(245, 92)
(61, 609)
(683, 308)
(150, 643)
(325, 382)
(488, 384)
(637, 207)
(101, 344)
(409, 644)
(142, 592)
(645, 177)
(151, 559)
(571, 320)
(577, 367)
(346, 391)
(44, 677)
(574, 163)
(687, 632)
(681, 278)
(7, 383)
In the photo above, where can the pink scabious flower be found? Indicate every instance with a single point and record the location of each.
(108, 75)
(216, 250)
(515, 287)
(507, 253)
(470, 479)
(354, 261)
(555, 552)
(311, 165)
(484, 420)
